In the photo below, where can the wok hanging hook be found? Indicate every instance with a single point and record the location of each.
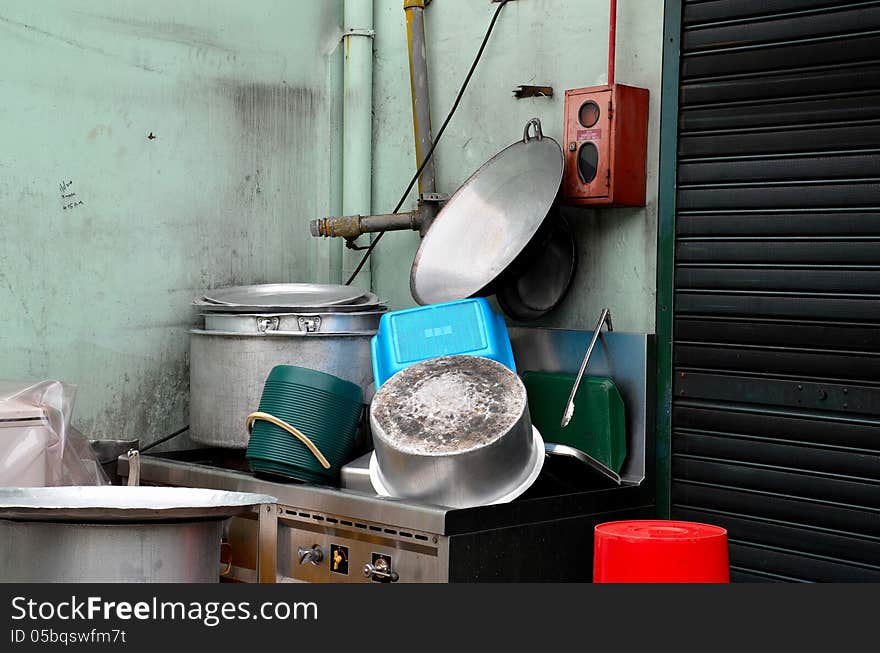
(536, 123)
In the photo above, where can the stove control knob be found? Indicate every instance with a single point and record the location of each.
(379, 572)
(314, 555)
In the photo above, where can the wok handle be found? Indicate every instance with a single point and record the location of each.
(295, 432)
(536, 123)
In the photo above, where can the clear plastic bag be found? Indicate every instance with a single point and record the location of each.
(38, 447)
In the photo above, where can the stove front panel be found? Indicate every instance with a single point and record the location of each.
(318, 547)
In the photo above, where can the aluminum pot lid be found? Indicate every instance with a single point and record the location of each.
(114, 503)
(369, 302)
(300, 295)
(489, 220)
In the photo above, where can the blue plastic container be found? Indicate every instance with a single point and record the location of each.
(466, 326)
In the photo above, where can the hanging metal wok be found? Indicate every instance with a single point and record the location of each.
(551, 259)
(489, 221)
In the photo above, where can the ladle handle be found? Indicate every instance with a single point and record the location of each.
(134, 467)
(605, 318)
(536, 123)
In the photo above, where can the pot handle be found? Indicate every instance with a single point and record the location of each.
(536, 123)
(134, 467)
(295, 432)
(225, 545)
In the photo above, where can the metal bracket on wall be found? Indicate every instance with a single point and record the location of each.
(525, 90)
(369, 33)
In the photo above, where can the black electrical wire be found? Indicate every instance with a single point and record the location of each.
(440, 131)
(165, 438)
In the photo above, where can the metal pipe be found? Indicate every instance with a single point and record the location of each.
(357, 112)
(612, 41)
(352, 226)
(421, 110)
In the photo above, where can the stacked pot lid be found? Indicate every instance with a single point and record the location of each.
(289, 298)
(290, 309)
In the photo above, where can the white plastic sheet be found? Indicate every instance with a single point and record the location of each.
(38, 447)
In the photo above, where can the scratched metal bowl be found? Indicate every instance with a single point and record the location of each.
(454, 431)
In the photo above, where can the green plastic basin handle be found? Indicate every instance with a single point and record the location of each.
(295, 432)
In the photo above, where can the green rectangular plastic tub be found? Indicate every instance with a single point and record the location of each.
(598, 427)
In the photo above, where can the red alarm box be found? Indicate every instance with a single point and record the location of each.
(606, 142)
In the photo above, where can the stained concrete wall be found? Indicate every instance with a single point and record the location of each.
(107, 233)
(151, 150)
(561, 43)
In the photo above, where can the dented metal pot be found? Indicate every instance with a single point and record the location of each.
(268, 325)
(454, 431)
(228, 371)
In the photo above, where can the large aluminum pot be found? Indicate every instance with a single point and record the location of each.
(454, 431)
(115, 534)
(228, 368)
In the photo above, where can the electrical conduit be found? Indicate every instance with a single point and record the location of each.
(357, 120)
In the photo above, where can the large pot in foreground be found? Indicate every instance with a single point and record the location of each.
(454, 431)
(113, 534)
(228, 368)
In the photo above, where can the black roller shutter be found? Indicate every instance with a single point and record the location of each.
(776, 410)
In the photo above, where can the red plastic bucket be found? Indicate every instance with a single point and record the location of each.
(660, 551)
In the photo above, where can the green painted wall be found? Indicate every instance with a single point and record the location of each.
(561, 43)
(243, 101)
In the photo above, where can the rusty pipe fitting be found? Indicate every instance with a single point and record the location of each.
(421, 104)
(352, 226)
